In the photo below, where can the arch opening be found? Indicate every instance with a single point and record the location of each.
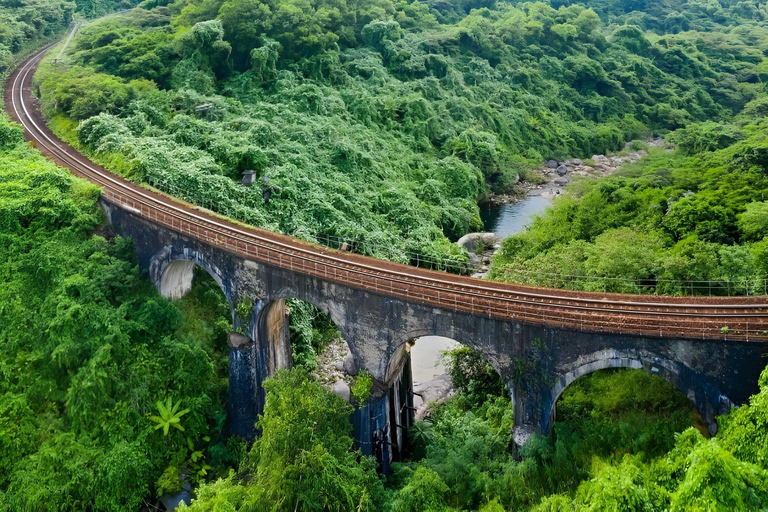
(443, 367)
(207, 316)
(296, 333)
(177, 278)
(424, 373)
(624, 409)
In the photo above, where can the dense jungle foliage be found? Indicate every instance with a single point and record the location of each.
(26, 23)
(92, 355)
(692, 221)
(381, 122)
(385, 123)
(624, 440)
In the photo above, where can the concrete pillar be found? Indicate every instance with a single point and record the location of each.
(243, 405)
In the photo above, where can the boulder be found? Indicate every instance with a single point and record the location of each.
(562, 170)
(469, 241)
(341, 389)
(561, 181)
(601, 159)
(350, 368)
(552, 164)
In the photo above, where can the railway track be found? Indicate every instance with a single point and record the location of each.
(727, 318)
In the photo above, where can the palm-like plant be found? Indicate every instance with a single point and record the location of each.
(170, 416)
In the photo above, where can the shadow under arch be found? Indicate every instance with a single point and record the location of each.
(705, 396)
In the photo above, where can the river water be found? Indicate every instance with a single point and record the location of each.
(504, 220)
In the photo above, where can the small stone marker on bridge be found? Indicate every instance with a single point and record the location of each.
(249, 178)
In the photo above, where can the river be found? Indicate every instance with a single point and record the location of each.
(504, 220)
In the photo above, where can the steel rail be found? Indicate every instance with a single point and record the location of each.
(124, 192)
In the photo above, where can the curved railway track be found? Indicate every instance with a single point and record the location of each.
(729, 318)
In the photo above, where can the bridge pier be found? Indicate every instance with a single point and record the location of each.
(245, 398)
(381, 426)
(252, 360)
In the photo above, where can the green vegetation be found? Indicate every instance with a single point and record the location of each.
(303, 459)
(696, 214)
(25, 23)
(384, 124)
(92, 356)
(623, 439)
(311, 332)
(381, 123)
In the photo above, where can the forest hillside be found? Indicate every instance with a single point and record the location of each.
(385, 123)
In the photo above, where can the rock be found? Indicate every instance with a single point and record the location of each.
(561, 181)
(469, 241)
(434, 391)
(341, 389)
(521, 433)
(601, 159)
(350, 368)
(562, 170)
(172, 501)
(339, 365)
(238, 341)
(552, 164)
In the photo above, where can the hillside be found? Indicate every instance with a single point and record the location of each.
(383, 124)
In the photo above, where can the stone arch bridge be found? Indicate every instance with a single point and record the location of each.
(538, 340)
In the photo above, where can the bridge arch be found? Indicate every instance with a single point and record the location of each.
(172, 271)
(704, 394)
(335, 310)
(488, 353)
(270, 327)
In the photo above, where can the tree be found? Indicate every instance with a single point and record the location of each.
(716, 480)
(473, 376)
(753, 223)
(621, 487)
(303, 459)
(710, 221)
(425, 491)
